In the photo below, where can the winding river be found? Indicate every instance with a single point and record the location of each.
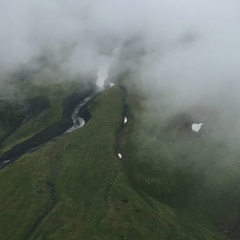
(74, 114)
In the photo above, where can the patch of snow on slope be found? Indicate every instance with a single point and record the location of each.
(196, 127)
(78, 122)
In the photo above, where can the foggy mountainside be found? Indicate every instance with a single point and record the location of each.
(119, 120)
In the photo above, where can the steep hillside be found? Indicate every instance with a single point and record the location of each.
(42, 105)
(195, 173)
(76, 187)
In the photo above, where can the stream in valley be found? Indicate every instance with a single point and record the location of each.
(74, 115)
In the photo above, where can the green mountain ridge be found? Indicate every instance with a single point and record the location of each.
(76, 187)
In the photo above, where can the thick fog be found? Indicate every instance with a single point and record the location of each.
(191, 48)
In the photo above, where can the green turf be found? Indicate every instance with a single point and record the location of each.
(55, 93)
(76, 188)
(196, 175)
(11, 114)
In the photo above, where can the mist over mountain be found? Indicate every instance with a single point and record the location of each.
(190, 46)
(187, 49)
(149, 152)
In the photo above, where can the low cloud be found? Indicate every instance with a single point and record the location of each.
(189, 47)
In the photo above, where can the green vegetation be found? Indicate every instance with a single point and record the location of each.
(195, 174)
(11, 115)
(76, 188)
(54, 93)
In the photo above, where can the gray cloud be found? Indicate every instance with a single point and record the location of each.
(189, 46)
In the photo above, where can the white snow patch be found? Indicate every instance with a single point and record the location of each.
(196, 127)
(111, 84)
(119, 155)
(125, 120)
(78, 122)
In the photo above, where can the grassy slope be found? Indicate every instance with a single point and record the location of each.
(195, 175)
(55, 92)
(11, 115)
(94, 198)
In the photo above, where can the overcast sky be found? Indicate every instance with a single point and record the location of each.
(190, 45)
